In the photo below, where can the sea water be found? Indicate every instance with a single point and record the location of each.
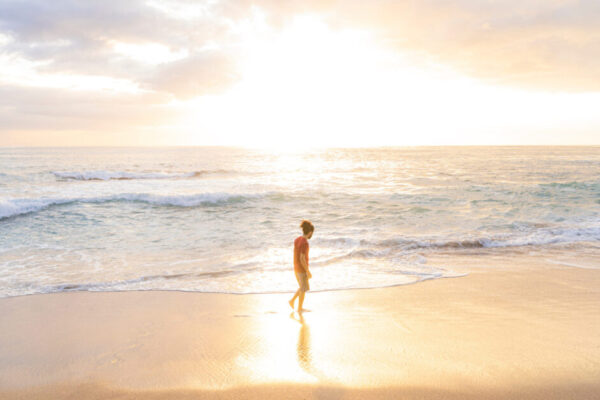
(217, 219)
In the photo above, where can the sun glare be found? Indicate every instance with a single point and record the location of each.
(305, 80)
(311, 86)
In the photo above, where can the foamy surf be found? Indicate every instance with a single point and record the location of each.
(127, 175)
(14, 207)
(535, 237)
(238, 282)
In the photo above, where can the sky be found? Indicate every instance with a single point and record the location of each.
(311, 73)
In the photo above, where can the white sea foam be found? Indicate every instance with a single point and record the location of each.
(19, 206)
(572, 264)
(126, 175)
(235, 281)
(540, 236)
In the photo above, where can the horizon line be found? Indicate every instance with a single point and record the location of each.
(281, 148)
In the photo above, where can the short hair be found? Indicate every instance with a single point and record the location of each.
(306, 226)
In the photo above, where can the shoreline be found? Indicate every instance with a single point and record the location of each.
(237, 294)
(526, 330)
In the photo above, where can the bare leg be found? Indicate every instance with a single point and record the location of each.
(294, 298)
(300, 301)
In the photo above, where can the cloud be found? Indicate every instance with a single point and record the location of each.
(78, 44)
(541, 44)
(203, 73)
(546, 45)
(79, 37)
(52, 109)
(538, 44)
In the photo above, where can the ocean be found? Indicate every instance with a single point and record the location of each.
(218, 219)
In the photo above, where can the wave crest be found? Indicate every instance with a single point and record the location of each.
(13, 207)
(126, 175)
(540, 236)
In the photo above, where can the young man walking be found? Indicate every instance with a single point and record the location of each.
(301, 263)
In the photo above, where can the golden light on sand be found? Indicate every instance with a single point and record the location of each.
(295, 348)
(277, 357)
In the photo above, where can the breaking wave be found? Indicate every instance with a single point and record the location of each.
(13, 207)
(542, 236)
(125, 175)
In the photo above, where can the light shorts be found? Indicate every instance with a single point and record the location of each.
(302, 281)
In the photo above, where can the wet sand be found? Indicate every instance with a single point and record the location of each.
(509, 329)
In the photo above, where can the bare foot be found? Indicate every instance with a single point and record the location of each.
(291, 303)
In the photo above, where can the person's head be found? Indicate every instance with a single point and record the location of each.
(307, 228)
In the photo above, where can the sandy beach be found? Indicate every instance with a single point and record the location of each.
(507, 330)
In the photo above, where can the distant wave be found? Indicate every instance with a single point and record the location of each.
(585, 185)
(13, 207)
(542, 236)
(125, 175)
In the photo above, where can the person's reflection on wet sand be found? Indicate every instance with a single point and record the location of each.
(303, 346)
(305, 360)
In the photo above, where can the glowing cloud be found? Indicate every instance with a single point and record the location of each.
(264, 72)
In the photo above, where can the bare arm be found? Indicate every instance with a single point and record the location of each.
(304, 264)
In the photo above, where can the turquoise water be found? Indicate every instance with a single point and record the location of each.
(224, 219)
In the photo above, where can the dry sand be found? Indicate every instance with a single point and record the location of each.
(508, 330)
